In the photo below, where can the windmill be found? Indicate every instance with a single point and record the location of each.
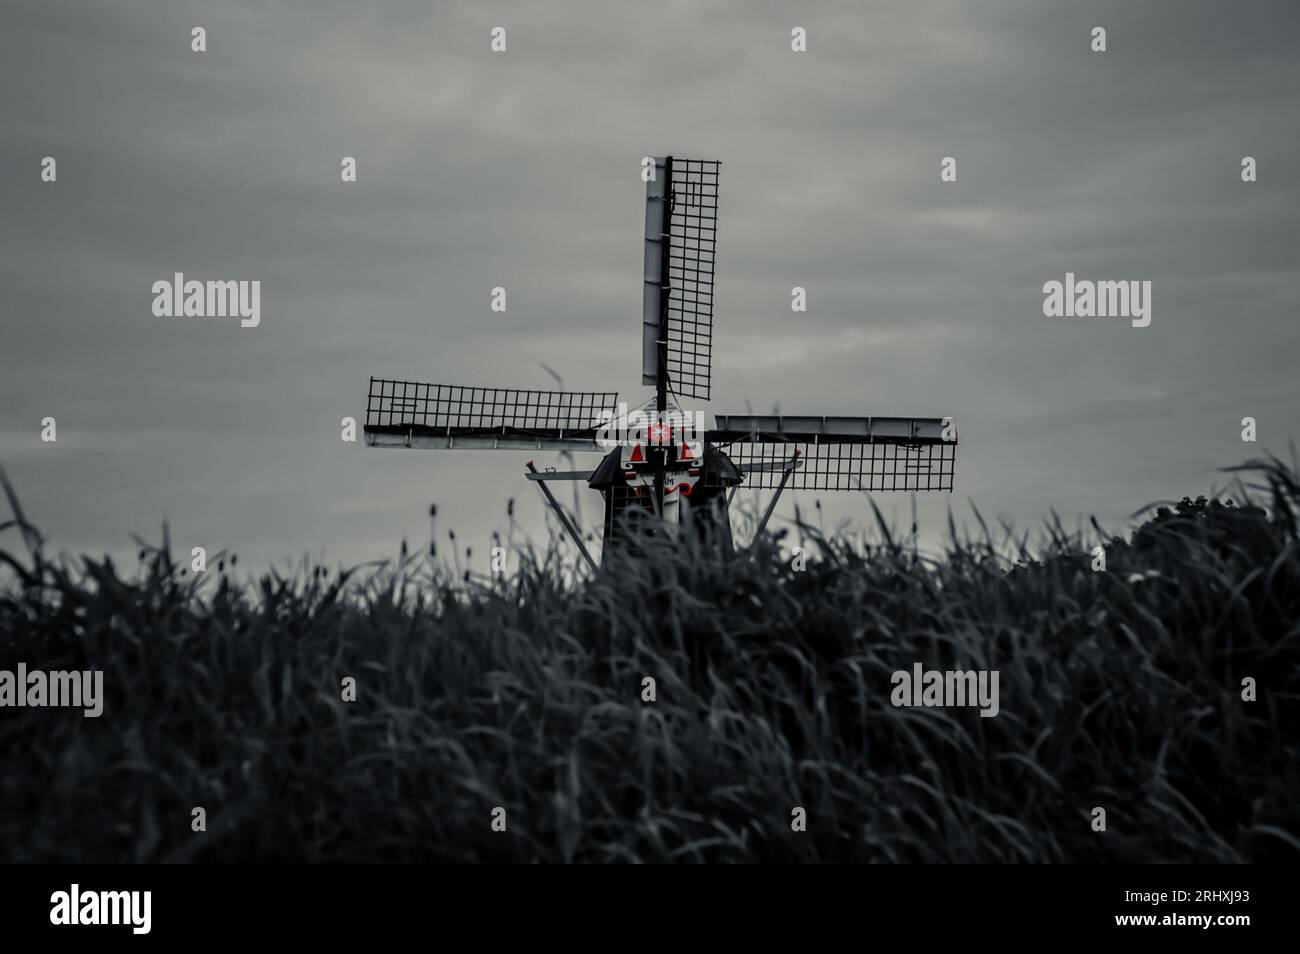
(660, 460)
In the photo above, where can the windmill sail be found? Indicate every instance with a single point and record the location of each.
(838, 453)
(453, 417)
(680, 246)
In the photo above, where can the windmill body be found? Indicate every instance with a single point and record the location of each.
(659, 460)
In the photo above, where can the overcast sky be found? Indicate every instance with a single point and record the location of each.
(522, 170)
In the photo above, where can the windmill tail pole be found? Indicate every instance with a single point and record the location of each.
(564, 519)
(785, 479)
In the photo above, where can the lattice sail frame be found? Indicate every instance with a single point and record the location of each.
(446, 415)
(694, 233)
(847, 466)
(682, 209)
(840, 453)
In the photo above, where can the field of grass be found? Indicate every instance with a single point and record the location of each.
(1120, 689)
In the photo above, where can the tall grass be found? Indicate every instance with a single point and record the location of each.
(1120, 689)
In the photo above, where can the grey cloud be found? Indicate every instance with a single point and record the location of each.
(521, 170)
